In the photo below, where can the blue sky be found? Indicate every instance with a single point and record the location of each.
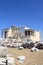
(22, 13)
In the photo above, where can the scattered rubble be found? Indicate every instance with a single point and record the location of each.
(34, 49)
(21, 59)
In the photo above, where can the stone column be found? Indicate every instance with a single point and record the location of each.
(30, 33)
(2, 35)
(27, 33)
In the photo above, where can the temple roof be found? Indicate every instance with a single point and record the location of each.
(5, 29)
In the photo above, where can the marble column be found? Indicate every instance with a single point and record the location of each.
(2, 35)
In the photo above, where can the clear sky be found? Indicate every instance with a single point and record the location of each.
(22, 13)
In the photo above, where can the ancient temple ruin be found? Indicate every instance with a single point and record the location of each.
(21, 32)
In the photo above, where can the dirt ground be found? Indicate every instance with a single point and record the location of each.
(32, 58)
